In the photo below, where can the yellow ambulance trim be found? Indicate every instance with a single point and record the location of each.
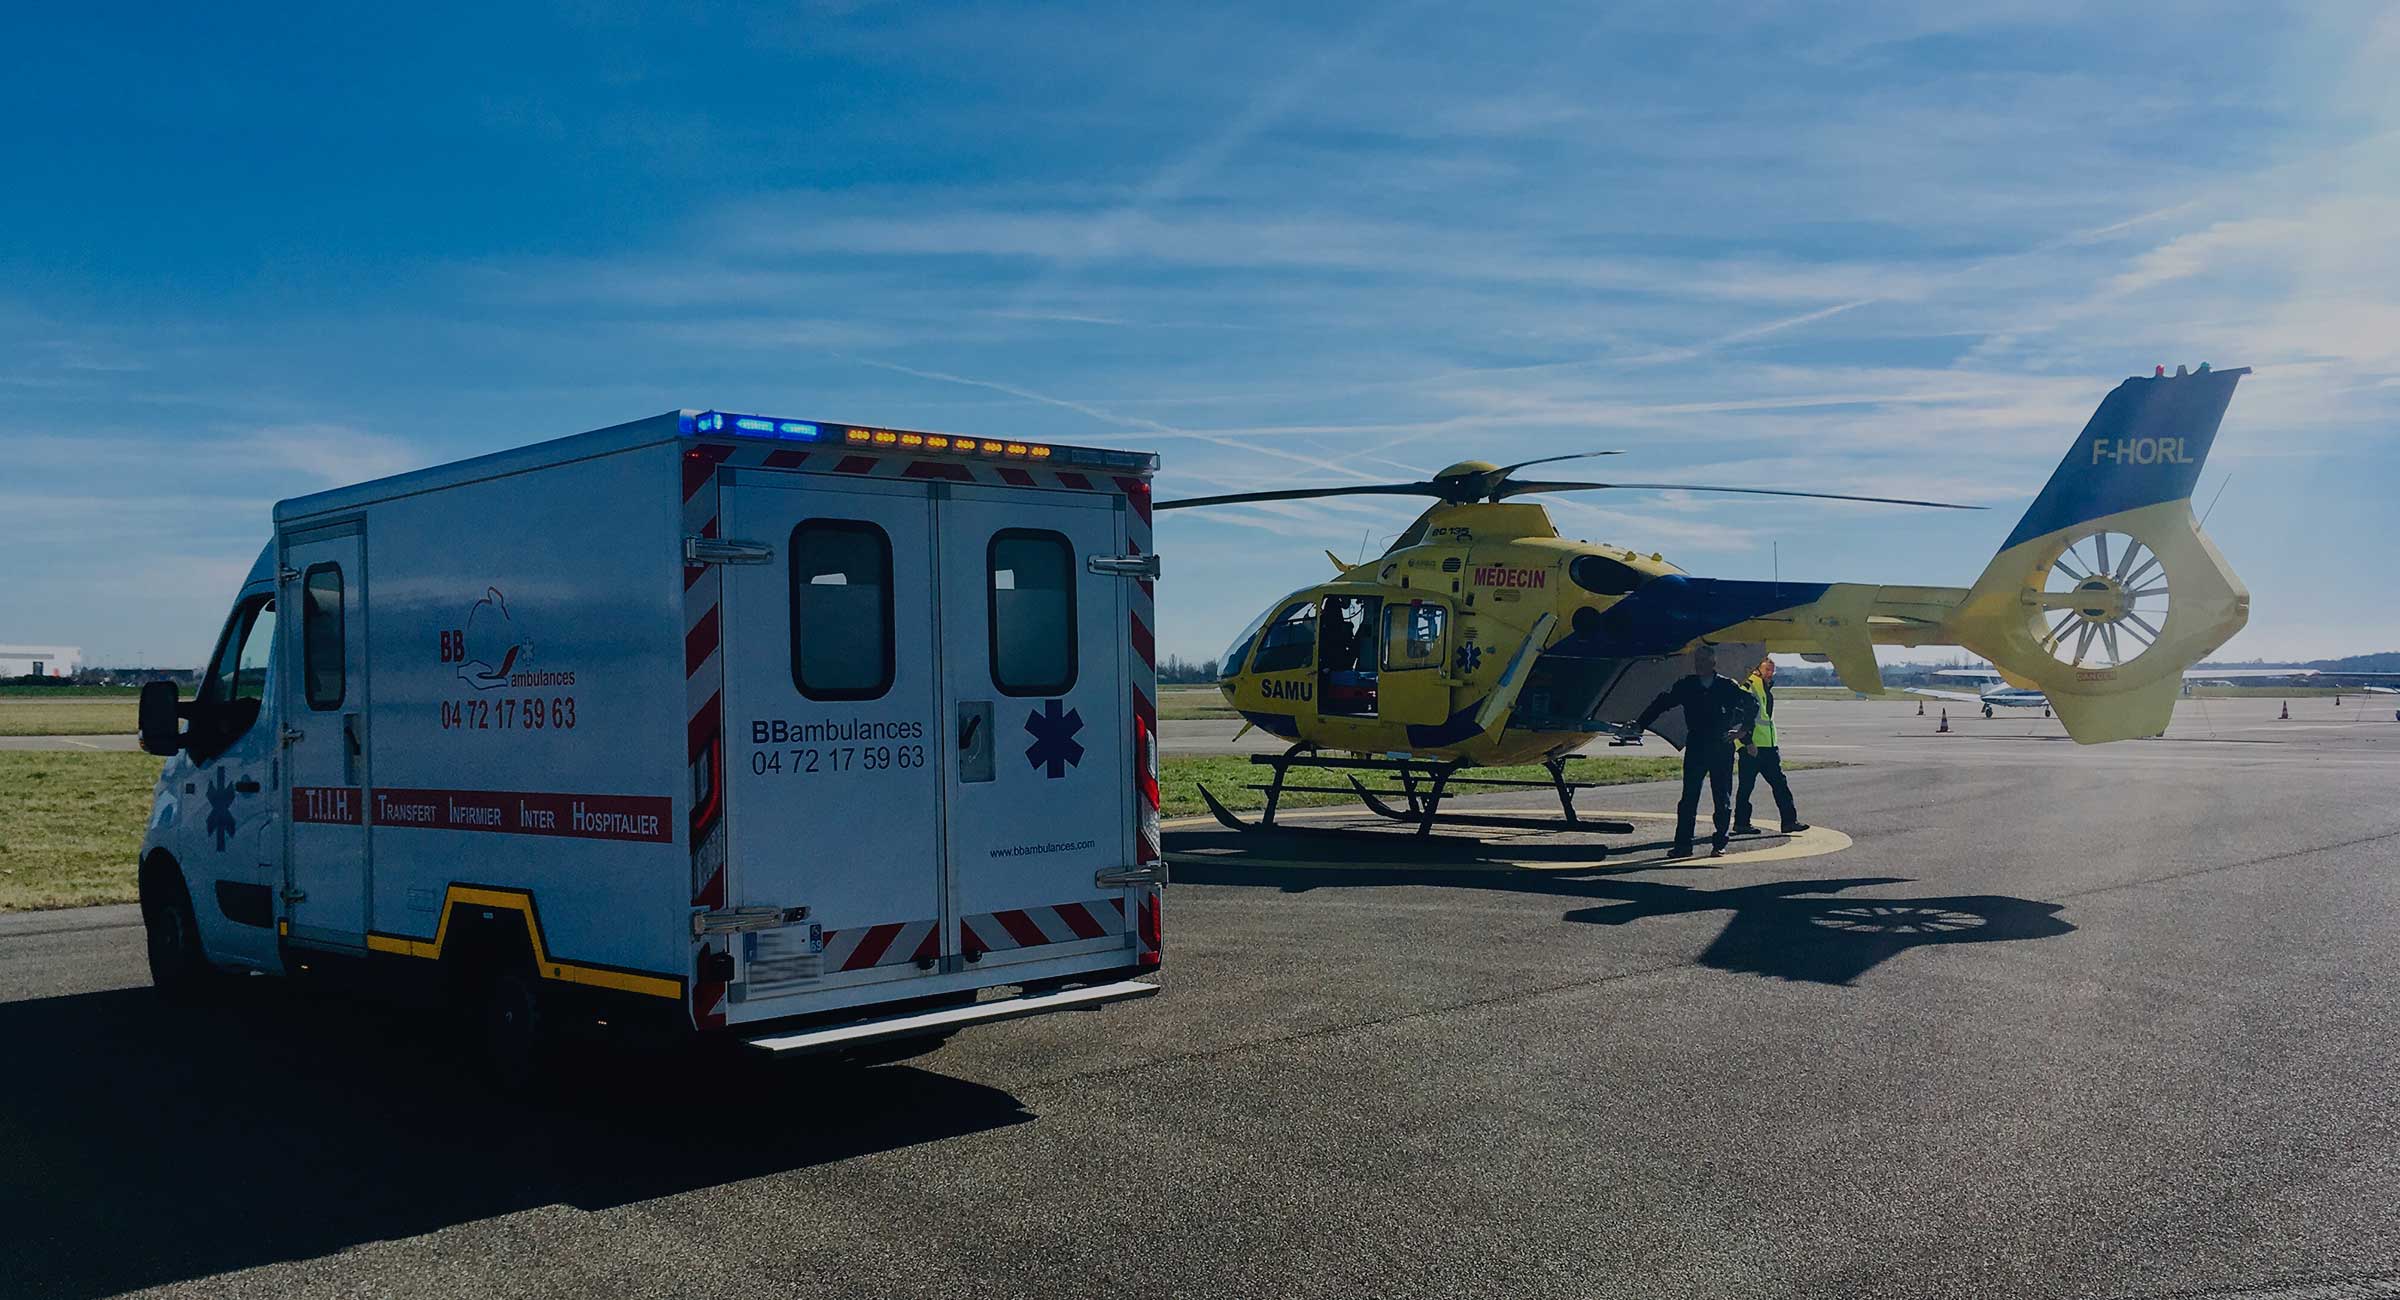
(521, 902)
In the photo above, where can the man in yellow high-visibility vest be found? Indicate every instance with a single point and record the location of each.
(1761, 757)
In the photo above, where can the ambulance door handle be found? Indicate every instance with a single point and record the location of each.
(351, 749)
(974, 740)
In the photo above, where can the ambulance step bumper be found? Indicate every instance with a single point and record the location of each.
(854, 1033)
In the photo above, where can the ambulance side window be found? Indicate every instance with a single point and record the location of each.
(1290, 642)
(1030, 582)
(324, 671)
(1412, 636)
(841, 609)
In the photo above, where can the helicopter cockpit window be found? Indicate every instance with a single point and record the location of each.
(1413, 636)
(1603, 576)
(1290, 640)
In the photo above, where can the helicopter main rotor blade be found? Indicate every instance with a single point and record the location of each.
(1300, 494)
(1506, 470)
(1519, 489)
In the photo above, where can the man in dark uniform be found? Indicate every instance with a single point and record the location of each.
(1717, 716)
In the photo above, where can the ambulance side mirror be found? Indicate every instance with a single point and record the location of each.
(160, 717)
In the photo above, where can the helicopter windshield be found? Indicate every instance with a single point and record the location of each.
(1239, 651)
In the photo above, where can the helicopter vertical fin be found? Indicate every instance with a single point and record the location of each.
(2099, 632)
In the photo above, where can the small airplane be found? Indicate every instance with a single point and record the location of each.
(1999, 694)
(1482, 637)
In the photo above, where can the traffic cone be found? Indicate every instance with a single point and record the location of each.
(2337, 701)
(1920, 708)
(1945, 721)
(2286, 715)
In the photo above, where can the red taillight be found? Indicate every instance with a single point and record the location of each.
(1145, 787)
(1153, 944)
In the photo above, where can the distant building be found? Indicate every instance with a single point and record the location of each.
(40, 660)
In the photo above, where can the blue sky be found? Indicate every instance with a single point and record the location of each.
(1905, 251)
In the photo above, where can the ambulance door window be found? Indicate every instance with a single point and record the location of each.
(1413, 636)
(236, 688)
(1291, 642)
(1030, 584)
(841, 574)
(323, 672)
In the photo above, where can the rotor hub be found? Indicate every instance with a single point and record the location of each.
(2103, 600)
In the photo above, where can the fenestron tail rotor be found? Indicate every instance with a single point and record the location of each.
(2103, 602)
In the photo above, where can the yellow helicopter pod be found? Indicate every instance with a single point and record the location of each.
(1482, 637)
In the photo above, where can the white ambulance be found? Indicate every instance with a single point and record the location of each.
(814, 736)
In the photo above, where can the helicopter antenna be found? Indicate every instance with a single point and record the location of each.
(2212, 501)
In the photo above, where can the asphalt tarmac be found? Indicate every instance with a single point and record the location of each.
(2055, 1021)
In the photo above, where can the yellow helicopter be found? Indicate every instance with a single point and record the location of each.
(1483, 638)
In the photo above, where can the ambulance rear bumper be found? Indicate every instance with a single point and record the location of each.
(873, 1029)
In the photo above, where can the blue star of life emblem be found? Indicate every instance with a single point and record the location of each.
(220, 810)
(1470, 658)
(1054, 745)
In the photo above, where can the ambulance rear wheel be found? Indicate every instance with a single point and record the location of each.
(179, 967)
(516, 1034)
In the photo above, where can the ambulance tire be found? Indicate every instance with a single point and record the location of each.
(179, 967)
(516, 1040)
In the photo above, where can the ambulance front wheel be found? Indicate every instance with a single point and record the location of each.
(179, 967)
(516, 1033)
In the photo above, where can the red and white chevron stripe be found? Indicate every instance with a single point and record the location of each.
(704, 732)
(1142, 609)
(1033, 927)
(867, 946)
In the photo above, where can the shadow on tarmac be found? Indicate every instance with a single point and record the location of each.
(1783, 929)
(141, 1144)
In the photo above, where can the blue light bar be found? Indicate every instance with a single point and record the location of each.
(752, 424)
(795, 429)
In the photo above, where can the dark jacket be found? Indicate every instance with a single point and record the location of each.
(1711, 707)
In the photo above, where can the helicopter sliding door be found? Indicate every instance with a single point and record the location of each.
(1413, 686)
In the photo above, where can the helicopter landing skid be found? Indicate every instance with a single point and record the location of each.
(1423, 786)
(1570, 822)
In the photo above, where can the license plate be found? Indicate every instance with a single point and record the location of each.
(779, 960)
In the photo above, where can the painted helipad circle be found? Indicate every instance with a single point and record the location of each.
(1382, 845)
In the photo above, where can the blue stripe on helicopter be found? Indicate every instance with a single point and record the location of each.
(1274, 724)
(2143, 446)
(1458, 729)
(1666, 613)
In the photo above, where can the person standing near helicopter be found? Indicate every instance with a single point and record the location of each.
(1762, 758)
(1717, 716)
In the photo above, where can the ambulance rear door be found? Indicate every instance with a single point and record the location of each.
(831, 690)
(1036, 689)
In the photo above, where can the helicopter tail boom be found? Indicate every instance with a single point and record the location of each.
(2107, 589)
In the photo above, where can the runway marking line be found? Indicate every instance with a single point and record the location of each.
(1816, 841)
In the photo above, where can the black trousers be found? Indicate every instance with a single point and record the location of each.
(1715, 762)
(1767, 761)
